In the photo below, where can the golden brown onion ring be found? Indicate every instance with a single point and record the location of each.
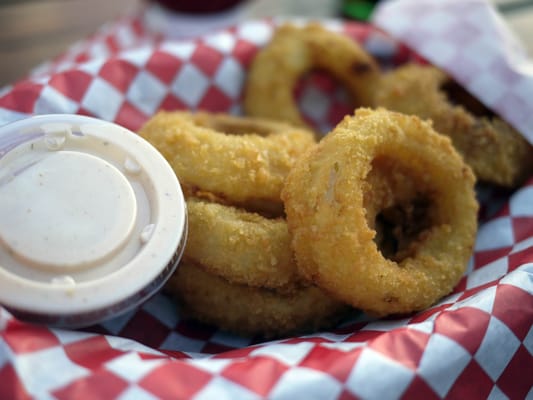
(240, 159)
(496, 152)
(331, 198)
(240, 246)
(251, 311)
(294, 51)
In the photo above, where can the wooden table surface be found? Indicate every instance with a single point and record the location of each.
(33, 31)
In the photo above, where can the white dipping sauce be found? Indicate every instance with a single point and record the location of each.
(92, 220)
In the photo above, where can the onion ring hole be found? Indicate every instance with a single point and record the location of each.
(457, 95)
(399, 212)
(233, 127)
(400, 228)
(317, 88)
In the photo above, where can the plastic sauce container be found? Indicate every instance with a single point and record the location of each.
(92, 220)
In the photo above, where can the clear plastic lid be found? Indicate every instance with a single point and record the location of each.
(92, 220)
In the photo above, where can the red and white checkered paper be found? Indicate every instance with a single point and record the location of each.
(476, 343)
(469, 40)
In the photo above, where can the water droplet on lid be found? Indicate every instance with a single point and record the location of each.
(54, 141)
(132, 166)
(55, 135)
(147, 232)
(63, 280)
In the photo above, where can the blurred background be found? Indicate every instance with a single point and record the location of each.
(34, 31)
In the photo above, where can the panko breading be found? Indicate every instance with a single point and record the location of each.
(252, 311)
(333, 203)
(241, 246)
(237, 158)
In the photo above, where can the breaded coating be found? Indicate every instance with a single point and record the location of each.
(497, 153)
(241, 246)
(294, 51)
(252, 311)
(240, 159)
(380, 163)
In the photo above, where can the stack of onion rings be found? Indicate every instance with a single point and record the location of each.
(381, 214)
(295, 51)
(381, 163)
(497, 153)
(238, 271)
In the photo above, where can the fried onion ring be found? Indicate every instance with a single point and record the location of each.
(240, 246)
(240, 159)
(251, 311)
(294, 51)
(381, 163)
(496, 152)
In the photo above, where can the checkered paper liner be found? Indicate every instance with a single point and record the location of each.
(475, 343)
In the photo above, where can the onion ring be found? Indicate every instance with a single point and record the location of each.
(240, 246)
(251, 311)
(294, 51)
(328, 197)
(237, 158)
(496, 152)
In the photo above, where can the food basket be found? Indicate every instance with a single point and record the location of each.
(475, 343)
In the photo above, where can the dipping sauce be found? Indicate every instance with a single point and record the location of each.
(92, 220)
